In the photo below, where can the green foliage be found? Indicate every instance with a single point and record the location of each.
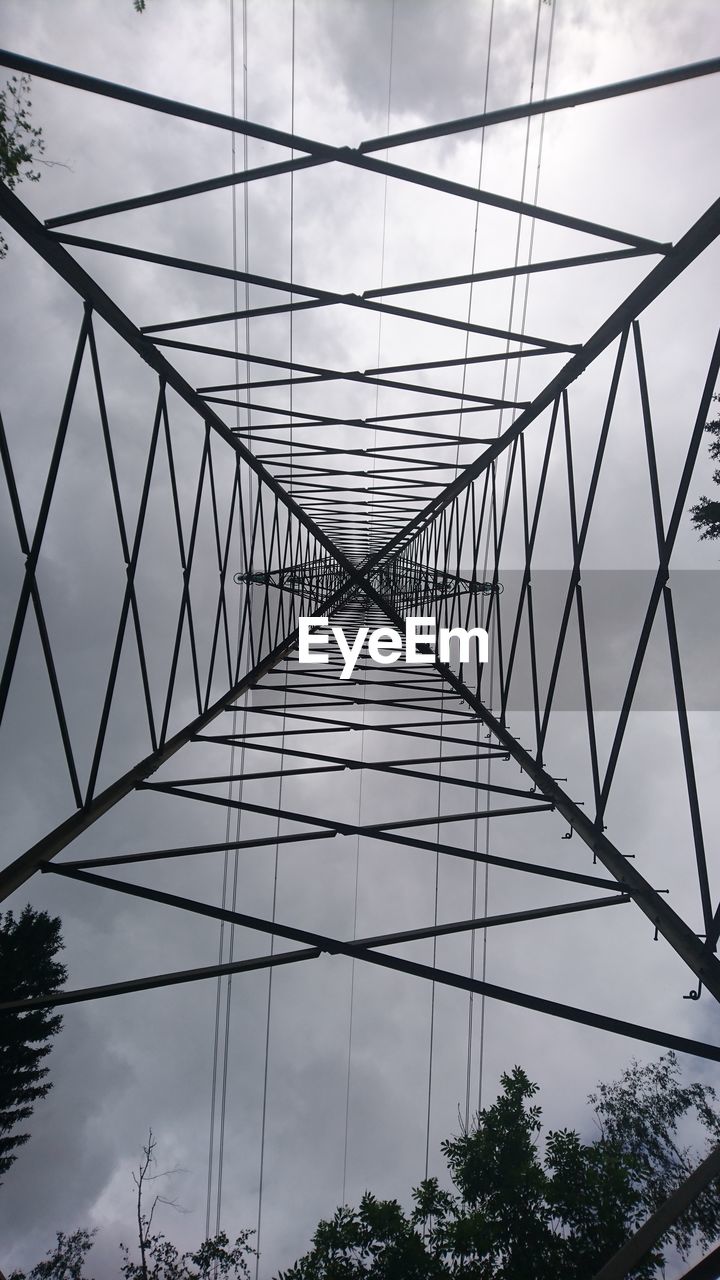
(65, 1262)
(29, 968)
(639, 1115)
(567, 1206)
(158, 1258)
(705, 515)
(20, 142)
(519, 1208)
(161, 1260)
(215, 1258)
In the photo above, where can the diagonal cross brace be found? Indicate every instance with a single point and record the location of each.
(363, 949)
(706, 967)
(681, 937)
(698, 238)
(19, 217)
(20, 870)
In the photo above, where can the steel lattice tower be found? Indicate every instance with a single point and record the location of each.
(419, 524)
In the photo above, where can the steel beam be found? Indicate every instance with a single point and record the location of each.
(323, 297)
(18, 871)
(503, 273)
(677, 933)
(355, 157)
(104, 990)
(220, 120)
(708, 1269)
(673, 928)
(154, 102)
(189, 189)
(47, 246)
(543, 106)
(651, 1231)
(689, 247)
(359, 949)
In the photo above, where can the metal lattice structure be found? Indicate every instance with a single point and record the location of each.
(289, 531)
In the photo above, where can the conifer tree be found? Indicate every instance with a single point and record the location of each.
(29, 946)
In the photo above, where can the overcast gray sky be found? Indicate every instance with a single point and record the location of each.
(644, 165)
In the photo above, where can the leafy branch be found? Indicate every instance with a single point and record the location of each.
(21, 142)
(705, 515)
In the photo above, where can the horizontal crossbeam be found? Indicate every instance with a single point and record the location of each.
(693, 243)
(360, 950)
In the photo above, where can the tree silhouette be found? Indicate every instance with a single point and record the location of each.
(705, 515)
(66, 1261)
(516, 1207)
(159, 1258)
(20, 142)
(519, 1210)
(29, 946)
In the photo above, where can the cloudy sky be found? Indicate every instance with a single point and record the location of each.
(644, 166)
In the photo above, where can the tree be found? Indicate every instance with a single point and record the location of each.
(705, 515)
(521, 1212)
(65, 1262)
(29, 968)
(518, 1208)
(20, 142)
(215, 1257)
(159, 1259)
(162, 1261)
